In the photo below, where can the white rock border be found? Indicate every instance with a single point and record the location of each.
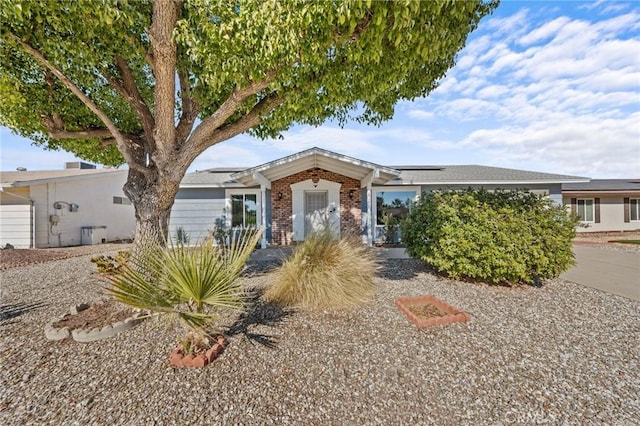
(85, 335)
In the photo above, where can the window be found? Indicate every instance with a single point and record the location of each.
(121, 200)
(584, 208)
(634, 209)
(244, 210)
(396, 203)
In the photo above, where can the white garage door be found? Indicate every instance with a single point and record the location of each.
(15, 226)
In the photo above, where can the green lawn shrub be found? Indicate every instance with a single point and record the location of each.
(500, 237)
(325, 273)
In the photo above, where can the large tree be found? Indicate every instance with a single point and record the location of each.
(154, 83)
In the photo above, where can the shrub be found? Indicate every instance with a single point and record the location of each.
(325, 272)
(498, 237)
(108, 265)
(188, 283)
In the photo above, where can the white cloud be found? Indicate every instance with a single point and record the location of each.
(547, 30)
(419, 114)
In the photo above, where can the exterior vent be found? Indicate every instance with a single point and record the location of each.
(78, 165)
(21, 169)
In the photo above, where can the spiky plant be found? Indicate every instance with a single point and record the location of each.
(190, 283)
(325, 272)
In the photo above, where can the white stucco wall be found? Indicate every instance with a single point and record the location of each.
(94, 197)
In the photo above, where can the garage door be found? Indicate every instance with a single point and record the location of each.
(15, 226)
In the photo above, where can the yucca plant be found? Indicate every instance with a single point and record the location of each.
(189, 283)
(325, 272)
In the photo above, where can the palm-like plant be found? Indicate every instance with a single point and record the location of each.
(190, 283)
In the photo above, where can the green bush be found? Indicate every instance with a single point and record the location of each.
(192, 284)
(498, 237)
(325, 272)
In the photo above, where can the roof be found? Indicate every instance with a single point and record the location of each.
(216, 178)
(604, 185)
(475, 175)
(37, 177)
(318, 158)
(381, 175)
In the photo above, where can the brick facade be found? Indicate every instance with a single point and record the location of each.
(281, 210)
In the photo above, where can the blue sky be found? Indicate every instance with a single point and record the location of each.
(544, 86)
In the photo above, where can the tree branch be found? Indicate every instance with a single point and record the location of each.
(190, 109)
(211, 124)
(164, 50)
(81, 134)
(224, 132)
(115, 132)
(133, 96)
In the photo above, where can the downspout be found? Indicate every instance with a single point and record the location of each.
(32, 209)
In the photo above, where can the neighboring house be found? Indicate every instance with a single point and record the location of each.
(307, 191)
(605, 204)
(58, 208)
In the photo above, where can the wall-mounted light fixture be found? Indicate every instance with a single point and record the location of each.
(280, 195)
(352, 193)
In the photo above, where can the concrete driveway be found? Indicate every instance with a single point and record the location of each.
(612, 271)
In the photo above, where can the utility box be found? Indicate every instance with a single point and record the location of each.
(92, 235)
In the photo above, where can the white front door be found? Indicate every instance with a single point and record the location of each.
(315, 211)
(314, 206)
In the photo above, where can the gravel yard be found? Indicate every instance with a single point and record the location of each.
(562, 353)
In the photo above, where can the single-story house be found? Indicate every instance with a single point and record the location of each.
(57, 208)
(605, 204)
(298, 194)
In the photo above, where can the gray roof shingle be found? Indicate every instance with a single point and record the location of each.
(604, 185)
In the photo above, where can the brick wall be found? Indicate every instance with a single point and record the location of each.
(281, 210)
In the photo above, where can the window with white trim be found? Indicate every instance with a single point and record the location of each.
(244, 210)
(585, 209)
(395, 202)
(634, 209)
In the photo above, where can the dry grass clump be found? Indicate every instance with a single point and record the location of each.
(325, 272)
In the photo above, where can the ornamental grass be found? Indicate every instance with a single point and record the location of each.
(325, 273)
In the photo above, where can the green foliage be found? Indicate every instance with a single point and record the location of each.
(190, 283)
(220, 231)
(182, 236)
(340, 60)
(325, 273)
(390, 228)
(498, 237)
(108, 265)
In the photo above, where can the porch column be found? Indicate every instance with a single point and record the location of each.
(369, 215)
(368, 182)
(264, 185)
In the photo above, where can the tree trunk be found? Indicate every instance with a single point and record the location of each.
(152, 197)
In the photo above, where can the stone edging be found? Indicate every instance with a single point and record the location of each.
(88, 335)
(179, 359)
(452, 313)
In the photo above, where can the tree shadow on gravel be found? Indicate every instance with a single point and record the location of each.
(257, 268)
(259, 312)
(401, 269)
(13, 310)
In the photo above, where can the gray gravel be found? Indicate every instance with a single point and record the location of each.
(557, 354)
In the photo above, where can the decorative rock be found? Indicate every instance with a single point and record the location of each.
(55, 333)
(78, 308)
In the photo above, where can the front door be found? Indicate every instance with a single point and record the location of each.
(315, 211)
